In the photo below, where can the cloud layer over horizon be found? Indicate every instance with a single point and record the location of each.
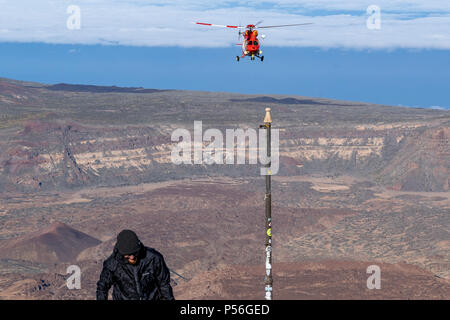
(337, 24)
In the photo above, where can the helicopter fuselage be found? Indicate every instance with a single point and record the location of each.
(250, 45)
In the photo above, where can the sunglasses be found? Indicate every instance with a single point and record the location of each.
(126, 256)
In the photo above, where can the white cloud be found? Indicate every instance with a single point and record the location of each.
(438, 108)
(405, 24)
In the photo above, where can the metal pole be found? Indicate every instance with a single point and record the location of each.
(268, 281)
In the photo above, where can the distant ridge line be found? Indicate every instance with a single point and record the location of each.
(266, 99)
(99, 89)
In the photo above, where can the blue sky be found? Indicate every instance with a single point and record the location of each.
(154, 44)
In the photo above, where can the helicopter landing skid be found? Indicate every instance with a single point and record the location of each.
(251, 57)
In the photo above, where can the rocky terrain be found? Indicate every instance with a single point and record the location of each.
(358, 185)
(57, 243)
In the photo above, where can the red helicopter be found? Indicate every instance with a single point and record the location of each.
(250, 45)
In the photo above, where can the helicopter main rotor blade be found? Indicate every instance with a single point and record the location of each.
(260, 21)
(285, 25)
(219, 25)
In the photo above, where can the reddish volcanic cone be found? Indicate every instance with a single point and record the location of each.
(57, 243)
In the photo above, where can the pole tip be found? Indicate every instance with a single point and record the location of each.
(268, 117)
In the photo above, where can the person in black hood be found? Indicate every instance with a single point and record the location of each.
(136, 272)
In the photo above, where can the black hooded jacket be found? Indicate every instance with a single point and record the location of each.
(148, 279)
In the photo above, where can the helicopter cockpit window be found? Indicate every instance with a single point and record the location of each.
(250, 43)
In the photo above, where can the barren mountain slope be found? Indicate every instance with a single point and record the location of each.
(358, 184)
